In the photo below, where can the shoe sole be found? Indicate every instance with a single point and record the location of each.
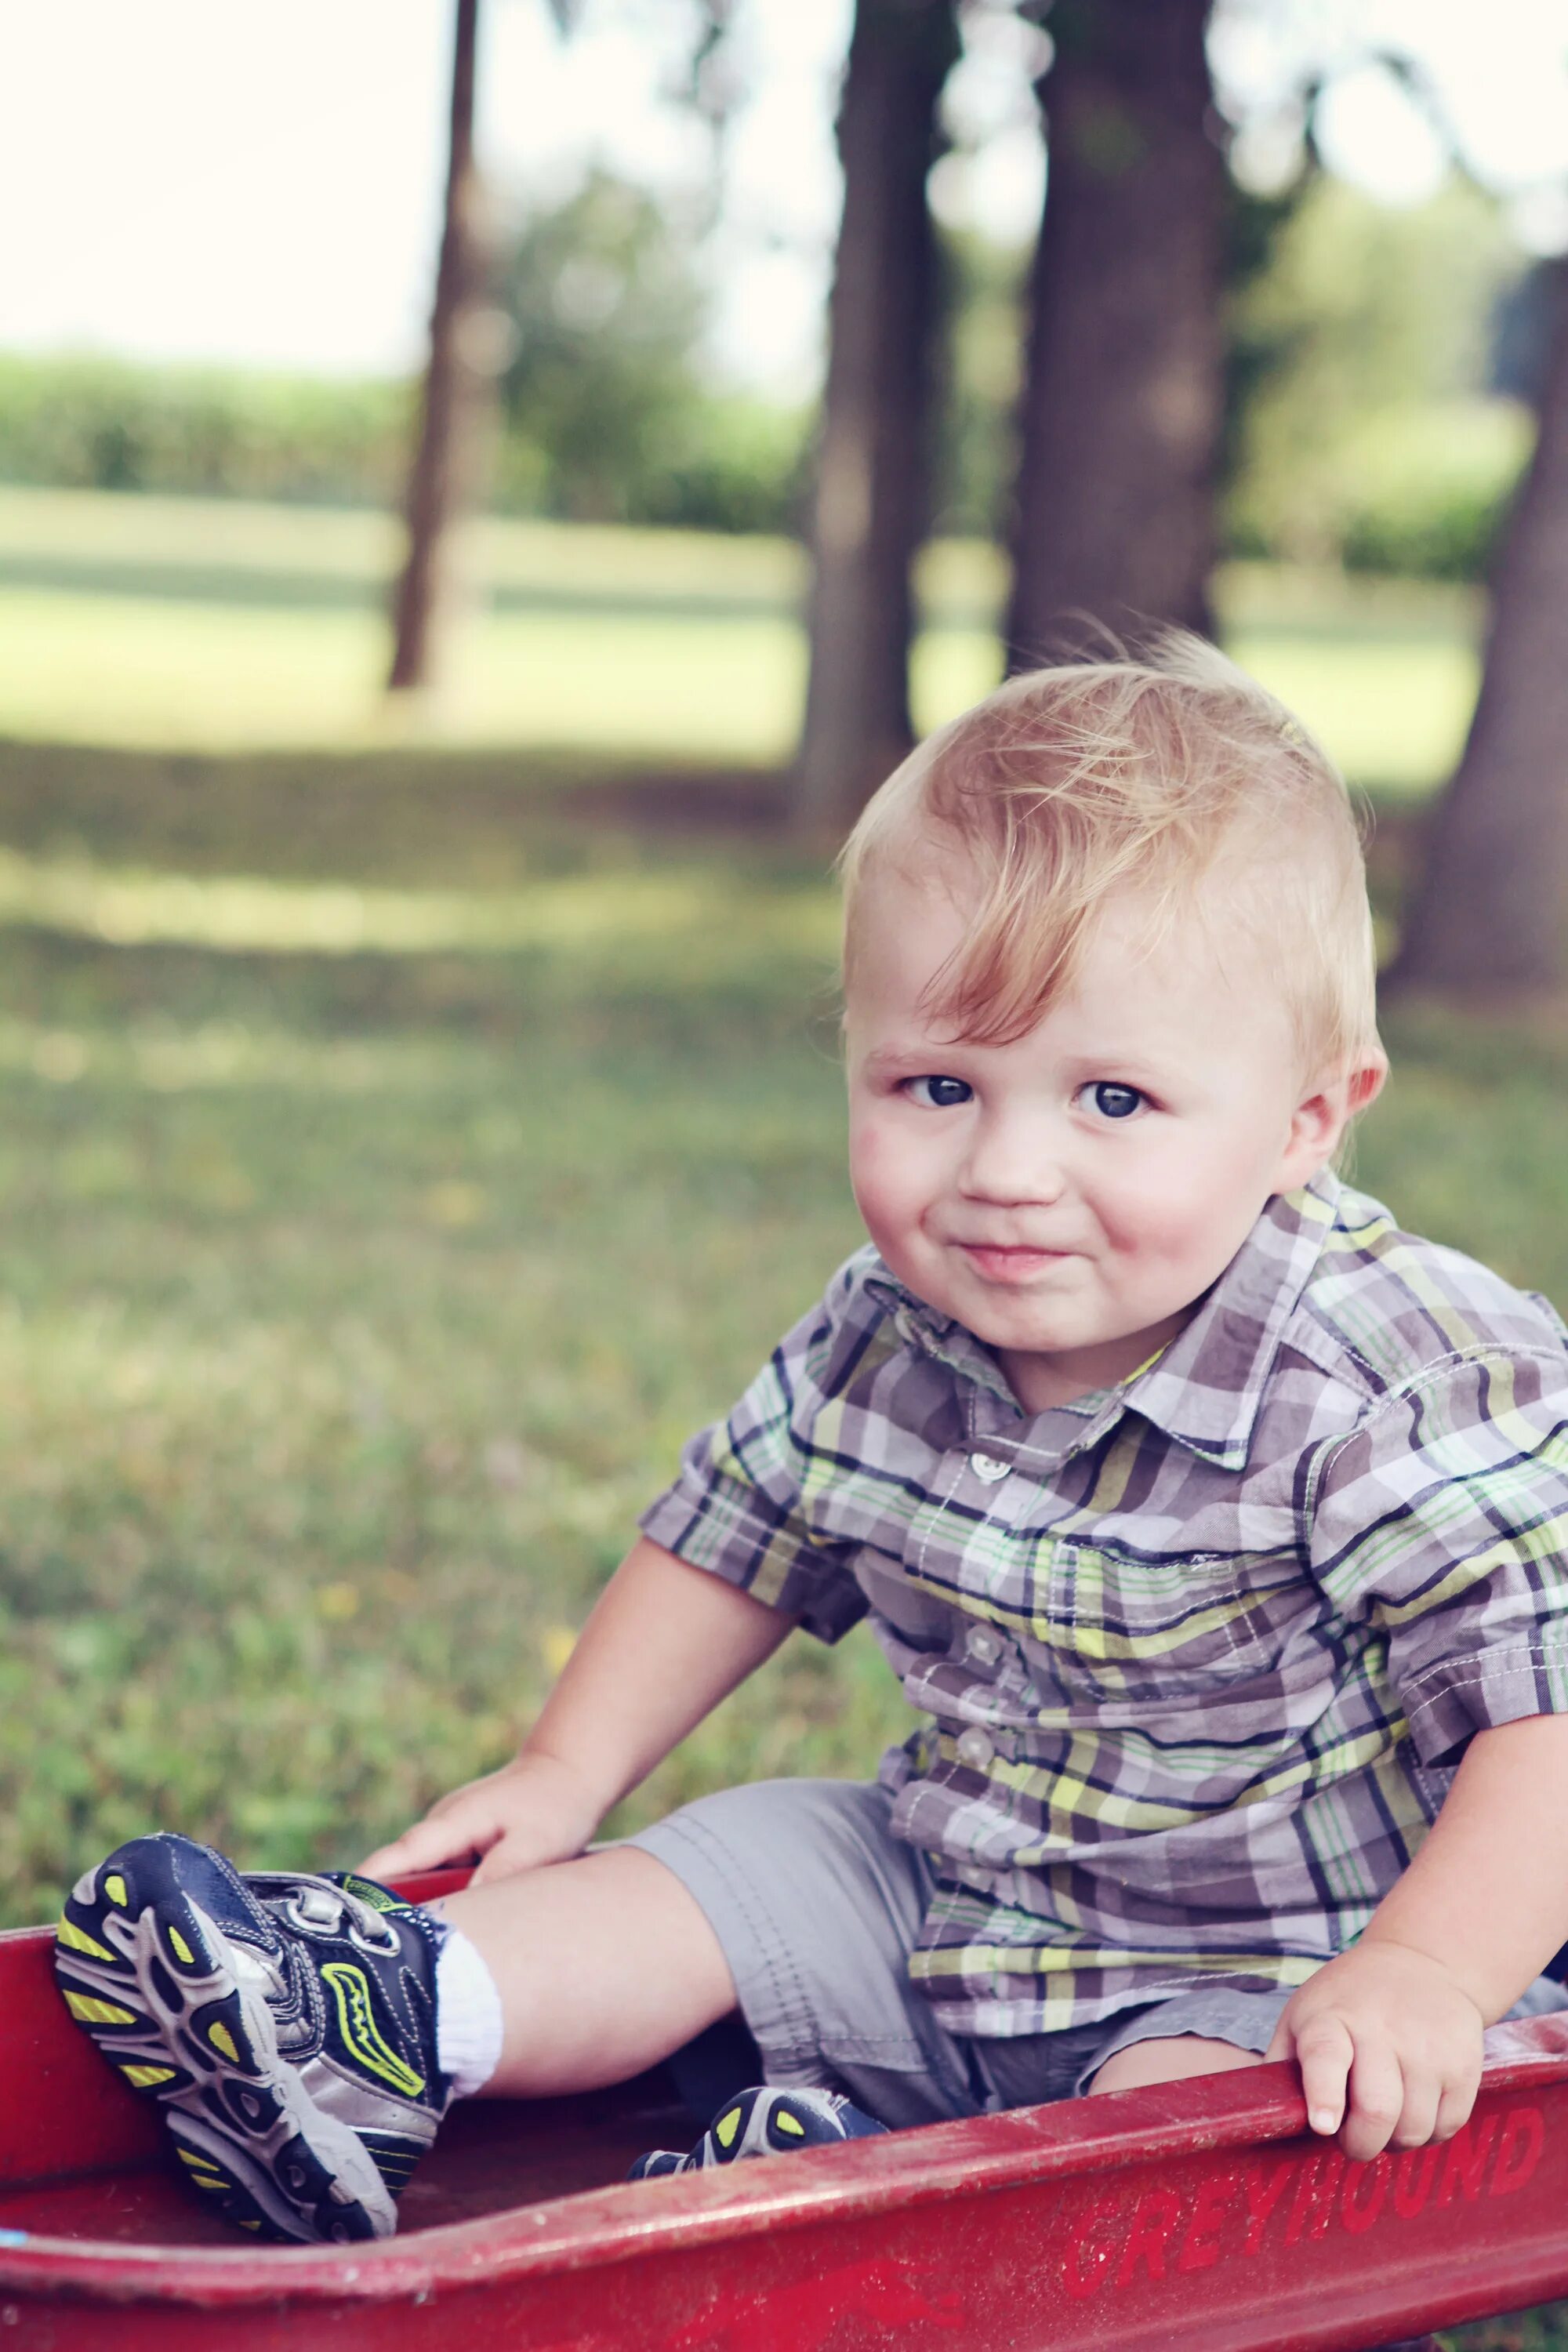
(152, 1981)
(761, 2122)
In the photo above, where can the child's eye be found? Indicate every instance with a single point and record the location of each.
(1113, 1101)
(938, 1093)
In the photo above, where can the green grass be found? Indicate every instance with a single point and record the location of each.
(1545, 2330)
(202, 626)
(350, 1306)
(351, 1302)
(367, 1253)
(401, 1155)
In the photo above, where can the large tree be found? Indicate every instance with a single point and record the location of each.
(1489, 916)
(1123, 389)
(870, 509)
(437, 478)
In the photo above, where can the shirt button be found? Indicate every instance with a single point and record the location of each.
(984, 1645)
(975, 1746)
(986, 1468)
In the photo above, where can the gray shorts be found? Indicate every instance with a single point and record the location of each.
(817, 1908)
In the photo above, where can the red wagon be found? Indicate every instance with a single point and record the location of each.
(1194, 2215)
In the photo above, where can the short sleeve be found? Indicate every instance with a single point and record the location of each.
(735, 1506)
(1443, 1520)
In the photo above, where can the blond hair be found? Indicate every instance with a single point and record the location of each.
(1066, 785)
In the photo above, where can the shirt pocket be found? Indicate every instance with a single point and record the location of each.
(1116, 1624)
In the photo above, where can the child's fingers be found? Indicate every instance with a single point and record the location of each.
(1418, 2115)
(425, 1846)
(508, 1857)
(1325, 2053)
(1454, 2107)
(1377, 2103)
(384, 1862)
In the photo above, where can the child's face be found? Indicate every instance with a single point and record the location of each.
(1070, 1196)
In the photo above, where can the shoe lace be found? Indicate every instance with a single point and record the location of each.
(320, 1908)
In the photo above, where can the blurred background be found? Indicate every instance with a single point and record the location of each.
(485, 490)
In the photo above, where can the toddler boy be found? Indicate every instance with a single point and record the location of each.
(1214, 1526)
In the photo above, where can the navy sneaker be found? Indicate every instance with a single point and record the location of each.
(764, 2122)
(286, 2026)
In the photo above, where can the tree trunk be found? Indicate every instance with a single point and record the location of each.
(1490, 915)
(439, 475)
(874, 460)
(1123, 401)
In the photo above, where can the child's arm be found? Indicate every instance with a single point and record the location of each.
(1388, 2035)
(664, 1645)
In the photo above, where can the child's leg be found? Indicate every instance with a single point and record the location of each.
(1174, 2059)
(604, 1966)
(304, 2036)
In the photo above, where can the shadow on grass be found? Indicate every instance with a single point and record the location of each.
(245, 585)
(415, 815)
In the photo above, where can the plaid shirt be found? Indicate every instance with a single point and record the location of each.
(1198, 1654)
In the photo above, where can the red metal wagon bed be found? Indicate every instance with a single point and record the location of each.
(1197, 2214)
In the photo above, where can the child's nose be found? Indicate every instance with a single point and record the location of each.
(1010, 1161)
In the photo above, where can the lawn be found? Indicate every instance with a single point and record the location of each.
(372, 1239)
(396, 1168)
(369, 1251)
(353, 1296)
(192, 626)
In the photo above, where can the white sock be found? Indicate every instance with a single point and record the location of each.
(468, 2016)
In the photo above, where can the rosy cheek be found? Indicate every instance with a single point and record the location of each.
(1155, 1222)
(1192, 1220)
(879, 1175)
(879, 1141)
(868, 1160)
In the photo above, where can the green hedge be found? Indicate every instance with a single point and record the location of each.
(721, 464)
(101, 424)
(1425, 490)
(1417, 491)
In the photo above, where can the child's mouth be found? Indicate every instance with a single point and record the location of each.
(1001, 1262)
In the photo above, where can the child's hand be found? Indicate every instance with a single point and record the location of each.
(1389, 2045)
(532, 1811)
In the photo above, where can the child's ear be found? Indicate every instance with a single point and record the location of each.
(1365, 1085)
(1318, 1123)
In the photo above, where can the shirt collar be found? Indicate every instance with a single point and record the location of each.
(1205, 1389)
(939, 1336)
